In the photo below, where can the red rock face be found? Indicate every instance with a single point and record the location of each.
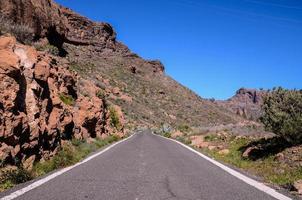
(61, 25)
(40, 105)
(58, 24)
(246, 103)
(44, 16)
(83, 31)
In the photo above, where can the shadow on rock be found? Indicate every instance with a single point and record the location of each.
(264, 148)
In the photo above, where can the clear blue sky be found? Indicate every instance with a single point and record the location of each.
(213, 47)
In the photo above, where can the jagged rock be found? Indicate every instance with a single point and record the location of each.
(28, 162)
(198, 141)
(40, 105)
(83, 31)
(42, 71)
(298, 186)
(44, 16)
(245, 103)
(157, 66)
(248, 153)
(176, 134)
(58, 24)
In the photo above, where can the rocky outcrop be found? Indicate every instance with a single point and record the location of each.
(298, 186)
(40, 105)
(44, 16)
(245, 103)
(248, 95)
(83, 31)
(157, 66)
(60, 25)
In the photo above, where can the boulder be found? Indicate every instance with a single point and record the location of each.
(28, 162)
(211, 147)
(249, 151)
(224, 152)
(176, 134)
(298, 186)
(198, 141)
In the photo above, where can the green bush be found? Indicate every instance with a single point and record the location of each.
(11, 177)
(65, 157)
(183, 140)
(114, 118)
(49, 49)
(67, 99)
(167, 134)
(77, 142)
(100, 94)
(72, 153)
(184, 128)
(283, 114)
(76, 67)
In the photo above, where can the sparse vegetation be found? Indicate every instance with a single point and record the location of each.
(76, 67)
(184, 128)
(211, 138)
(114, 118)
(283, 114)
(167, 134)
(83, 68)
(284, 171)
(12, 176)
(67, 99)
(72, 153)
(183, 139)
(165, 130)
(49, 49)
(22, 32)
(270, 168)
(100, 94)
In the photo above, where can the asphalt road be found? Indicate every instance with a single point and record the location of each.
(146, 167)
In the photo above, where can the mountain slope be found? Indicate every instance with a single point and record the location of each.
(147, 95)
(68, 94)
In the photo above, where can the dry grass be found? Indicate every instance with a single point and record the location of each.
(22, 32)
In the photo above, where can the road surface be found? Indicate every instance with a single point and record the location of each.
(146, 167)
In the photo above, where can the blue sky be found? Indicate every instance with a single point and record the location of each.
(213, 47)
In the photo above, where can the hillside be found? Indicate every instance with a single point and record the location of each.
(70, 74)
(147, 95)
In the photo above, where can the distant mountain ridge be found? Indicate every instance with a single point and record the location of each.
(246, 103)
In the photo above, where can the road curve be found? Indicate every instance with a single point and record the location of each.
(146, 167)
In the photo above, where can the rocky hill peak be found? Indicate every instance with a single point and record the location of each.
(246, 103)
(58, 24)
(249, 95)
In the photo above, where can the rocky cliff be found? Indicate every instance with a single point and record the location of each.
(40, 104)
(246, 103)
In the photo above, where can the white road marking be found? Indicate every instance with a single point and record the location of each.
(58, 173)
(252, 182)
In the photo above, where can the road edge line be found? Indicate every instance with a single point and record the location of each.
(260, 186)
(44, 180)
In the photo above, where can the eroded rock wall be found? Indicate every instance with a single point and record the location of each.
(40, 105)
